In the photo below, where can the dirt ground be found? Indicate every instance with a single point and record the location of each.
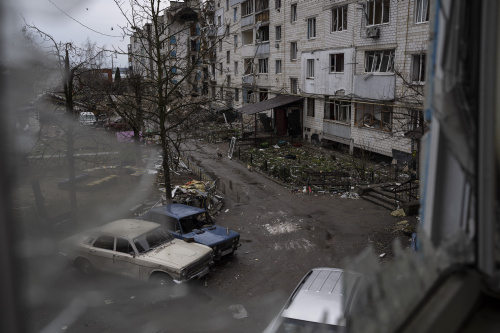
(284, 233)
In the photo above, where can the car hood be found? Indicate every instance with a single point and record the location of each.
(176, 254)
(212, 235)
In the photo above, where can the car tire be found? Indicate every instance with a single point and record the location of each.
(161, 279)
(84, 266)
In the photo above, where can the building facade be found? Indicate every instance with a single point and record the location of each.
(359, 66)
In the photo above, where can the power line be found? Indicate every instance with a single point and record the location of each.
(83, 25)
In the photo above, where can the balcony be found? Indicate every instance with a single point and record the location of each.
(262, 16)
(247, 20)
(336, 131)
(375, 86)
(247, 79)
(262, 49)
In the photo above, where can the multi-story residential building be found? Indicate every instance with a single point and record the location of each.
(351, 72)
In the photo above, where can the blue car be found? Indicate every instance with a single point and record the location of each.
(194, 224)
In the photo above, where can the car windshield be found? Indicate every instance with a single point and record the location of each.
(189, 223)
(152, 239)
(289, 325)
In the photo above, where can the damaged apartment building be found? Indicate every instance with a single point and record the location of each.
(351, 73)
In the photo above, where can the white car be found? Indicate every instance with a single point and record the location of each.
(320, 303)
(138, 249)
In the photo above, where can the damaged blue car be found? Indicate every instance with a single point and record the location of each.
(194, 224)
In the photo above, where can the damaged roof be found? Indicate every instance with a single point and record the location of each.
(269, 104)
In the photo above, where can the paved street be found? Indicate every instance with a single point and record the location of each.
(283, 235)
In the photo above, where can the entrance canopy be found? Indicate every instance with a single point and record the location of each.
(269, 104)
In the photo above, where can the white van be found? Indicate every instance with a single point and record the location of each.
(87, 118)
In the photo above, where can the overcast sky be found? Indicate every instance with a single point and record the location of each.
(103, 16)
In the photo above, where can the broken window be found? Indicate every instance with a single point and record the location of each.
(248, 64)
(337, 63)
(374, 116)
(379, 61)
(263, 34)
(277, 4)
(278, 66)
(310, 69)
(310, 107)
(338, 110)
(235, 67)
(246, 7)
(263, 95)
(263, 66)
(235, 14)
(418, 67)
(416, 118)
(421, 11)
(293, 13)
(261, 5)
(339, 18)
(278, 32)
(377, 12)
(293, 50)
(247, 37)
(235, 40)
(311, 28)
(293, 85)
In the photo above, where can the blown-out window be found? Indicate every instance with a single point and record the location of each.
(379, 61)
(374, 116)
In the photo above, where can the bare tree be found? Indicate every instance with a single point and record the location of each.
(170, 50)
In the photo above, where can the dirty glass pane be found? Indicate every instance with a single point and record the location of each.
(105, 242)
(123, 245)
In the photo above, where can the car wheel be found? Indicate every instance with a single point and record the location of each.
(161, 279)
(84, 266)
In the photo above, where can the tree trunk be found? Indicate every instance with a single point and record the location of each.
(70, 144)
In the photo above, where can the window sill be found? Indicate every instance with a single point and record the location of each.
(378, 24)
(310, 78)
(311, 38)
(418, 83)
(379, 73)
(423, 22)
(336, 73)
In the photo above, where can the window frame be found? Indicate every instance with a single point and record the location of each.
(247, 8)
(310, 68)
(311, 106)
(335, 66)
(419, 9)
(420, 61)
(276, 35)
(344, 12)
(293, 12)
(236, 63)
(337, 110)
(294, 85)
(311, 28)
(379, 54)
(228, 57)
(384, 14)
(264, 66)
(278, 67)
(366, 116)
(236, 94)
(293, 51)
(277, 4)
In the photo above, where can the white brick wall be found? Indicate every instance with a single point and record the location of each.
(400, 33)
